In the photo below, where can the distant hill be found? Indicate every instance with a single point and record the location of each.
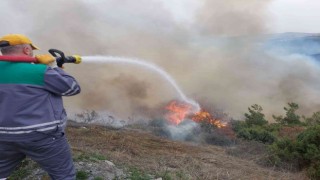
(294, 43)
(278, 44)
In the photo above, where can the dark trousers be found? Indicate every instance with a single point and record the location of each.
(51, 152)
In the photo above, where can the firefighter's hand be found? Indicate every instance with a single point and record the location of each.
(45, 59)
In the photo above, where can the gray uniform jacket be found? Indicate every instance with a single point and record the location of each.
(31, 100)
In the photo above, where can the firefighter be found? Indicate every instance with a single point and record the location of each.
(32, 116)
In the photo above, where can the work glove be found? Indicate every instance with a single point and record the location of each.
(46, 59)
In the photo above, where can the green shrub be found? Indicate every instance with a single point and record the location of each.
(256, 134)
(255, 116)
(238, 125)
(314, 170)
(309, 147)
(291, 117)
(314, 119)
(273, 127)
(304, 152)
(285, 150)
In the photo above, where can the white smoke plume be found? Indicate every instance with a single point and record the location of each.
(228, 73)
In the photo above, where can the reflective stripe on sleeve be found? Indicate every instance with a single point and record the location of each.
(70, 90)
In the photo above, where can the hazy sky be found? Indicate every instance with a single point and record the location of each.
(296, 15)
(284, 15)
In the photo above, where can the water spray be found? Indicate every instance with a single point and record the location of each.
(150, 66)
(61, 59)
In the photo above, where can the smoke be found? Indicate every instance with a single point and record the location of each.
(182, 132)
(228, 73)
(233, 18)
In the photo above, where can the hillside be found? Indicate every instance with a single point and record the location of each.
(131, 153)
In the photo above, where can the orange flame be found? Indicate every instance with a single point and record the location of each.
(204, 116)
(177, 112)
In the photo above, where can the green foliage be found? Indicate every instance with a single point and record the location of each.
(309, 145)
(304, 152)
(298, 152)
(255, 116)
(82, 175)
(273, 127)
(314, 170)
(285, 151)
(238, 125)
(255, 127)
(138, 175)
(314, 119)
(256, 134)
(291, 117)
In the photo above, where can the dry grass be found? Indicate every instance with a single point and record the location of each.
(163, 157)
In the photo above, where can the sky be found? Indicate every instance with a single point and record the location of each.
(296, 15)
(283, 15)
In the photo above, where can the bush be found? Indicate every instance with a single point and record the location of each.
(238, 125)
(273, 127)
(255, 127)
(303, 152)
(255, 116)
(256, 134)
(314, 170)
(284, 152)
(314, 119)
(309, 147)
(291, 117)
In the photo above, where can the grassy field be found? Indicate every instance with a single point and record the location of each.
(145, 154)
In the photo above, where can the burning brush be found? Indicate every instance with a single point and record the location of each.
(179, 111)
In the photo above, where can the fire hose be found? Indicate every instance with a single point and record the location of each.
(59, 56)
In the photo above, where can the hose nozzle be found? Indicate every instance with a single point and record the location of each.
(77, 58)
(61, 59)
